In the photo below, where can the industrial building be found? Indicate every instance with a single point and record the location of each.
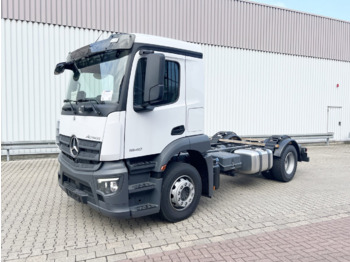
(269, 70)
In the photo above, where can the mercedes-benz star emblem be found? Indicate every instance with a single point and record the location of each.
(74, 146)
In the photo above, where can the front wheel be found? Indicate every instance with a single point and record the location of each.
(181, 191)
(284, 167)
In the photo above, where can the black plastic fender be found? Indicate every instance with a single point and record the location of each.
(197, 146)
(224, 135)
(284, 143)
(200, 143)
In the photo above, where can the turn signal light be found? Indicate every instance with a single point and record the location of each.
(163, 168)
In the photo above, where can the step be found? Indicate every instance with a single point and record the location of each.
(144, 186)
(141, 167)
(144, 210)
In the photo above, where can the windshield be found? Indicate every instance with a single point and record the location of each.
(100, 77)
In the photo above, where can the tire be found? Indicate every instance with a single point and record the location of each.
(284, 167)
(183, 180)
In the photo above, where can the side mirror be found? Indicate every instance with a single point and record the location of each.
(154, 79)
(60, 68)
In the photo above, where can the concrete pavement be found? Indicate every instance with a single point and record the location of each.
(39, 222)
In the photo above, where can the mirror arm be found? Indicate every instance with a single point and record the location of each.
(70, 66)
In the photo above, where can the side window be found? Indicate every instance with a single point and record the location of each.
(139, 81)
(171, 82)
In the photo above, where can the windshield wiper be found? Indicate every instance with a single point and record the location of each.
(92, 105)
(71, 106)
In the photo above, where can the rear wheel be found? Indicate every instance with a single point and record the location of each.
(181, 191)
(284, 167)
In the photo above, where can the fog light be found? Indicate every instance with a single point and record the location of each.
(114, 186)
(108, 185)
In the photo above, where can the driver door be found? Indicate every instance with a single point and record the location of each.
(149, 132)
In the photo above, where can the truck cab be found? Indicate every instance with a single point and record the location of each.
(131, 130)
(127, 113)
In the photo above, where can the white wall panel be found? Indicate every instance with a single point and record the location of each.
(248, 92)
(256, 93)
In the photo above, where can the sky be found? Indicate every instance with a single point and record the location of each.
(339, 9)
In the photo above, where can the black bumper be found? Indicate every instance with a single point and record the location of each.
(81, 185)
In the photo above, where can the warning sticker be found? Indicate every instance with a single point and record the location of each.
(73, 95)
(106, 95)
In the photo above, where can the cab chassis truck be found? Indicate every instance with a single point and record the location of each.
(131, 131)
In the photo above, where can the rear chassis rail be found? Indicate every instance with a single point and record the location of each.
(230, 141)
(232, 154)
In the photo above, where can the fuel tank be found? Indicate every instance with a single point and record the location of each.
(255, 160)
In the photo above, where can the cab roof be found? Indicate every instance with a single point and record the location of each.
(166, 42)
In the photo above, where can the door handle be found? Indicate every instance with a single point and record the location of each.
(179, 130)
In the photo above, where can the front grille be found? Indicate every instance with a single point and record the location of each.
(88, 156)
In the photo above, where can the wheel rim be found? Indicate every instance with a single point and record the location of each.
(182, 193)
(289, 163)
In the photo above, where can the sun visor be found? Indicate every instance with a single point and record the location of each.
(114, 42)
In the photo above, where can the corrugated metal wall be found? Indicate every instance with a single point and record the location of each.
(231, 23)
(249, 92)
(31, 95)
(256, 93)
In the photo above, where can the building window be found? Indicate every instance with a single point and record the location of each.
(171, 82)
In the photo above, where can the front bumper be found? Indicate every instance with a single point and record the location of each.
(81, 185)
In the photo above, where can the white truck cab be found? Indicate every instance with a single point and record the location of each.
(131, 131)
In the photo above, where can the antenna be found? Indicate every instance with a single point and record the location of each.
(99, 37)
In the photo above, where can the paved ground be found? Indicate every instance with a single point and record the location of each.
(39, 222)
(323, 241)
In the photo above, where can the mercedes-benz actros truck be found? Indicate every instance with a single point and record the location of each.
(131, 131)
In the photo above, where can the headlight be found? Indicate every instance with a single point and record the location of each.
(108, 185)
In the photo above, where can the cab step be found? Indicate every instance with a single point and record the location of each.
(144, 186)
(144, 210)
(140, 167)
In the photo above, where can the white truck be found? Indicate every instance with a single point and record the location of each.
(131, 131)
